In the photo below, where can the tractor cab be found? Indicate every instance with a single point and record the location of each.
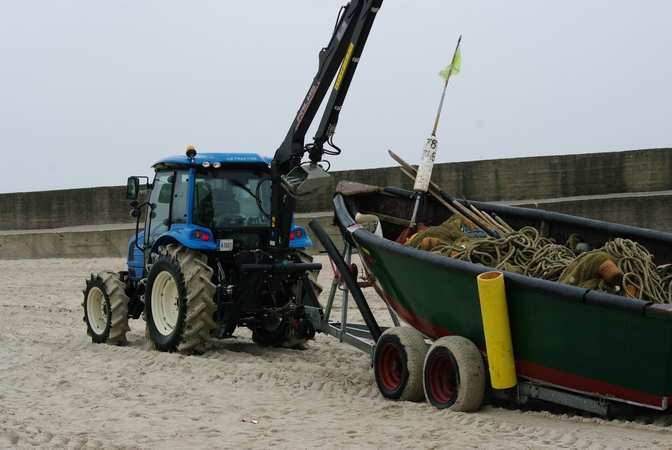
(208, 202)
(219, 246)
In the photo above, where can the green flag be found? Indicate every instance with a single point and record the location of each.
(454, 68)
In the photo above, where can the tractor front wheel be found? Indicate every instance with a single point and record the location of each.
(106, 308)
(179, 304)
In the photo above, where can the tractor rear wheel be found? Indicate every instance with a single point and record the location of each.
(106, 308)
(179, 304)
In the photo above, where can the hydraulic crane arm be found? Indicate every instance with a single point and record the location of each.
(337, 63)
(338, 60)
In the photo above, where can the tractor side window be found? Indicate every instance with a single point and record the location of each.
(180, 191)
(203, 207)
(158, 212)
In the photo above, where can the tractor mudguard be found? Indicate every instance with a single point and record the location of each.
(298, 237)
(192, 237)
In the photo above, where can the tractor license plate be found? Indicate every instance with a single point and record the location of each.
(225, 245)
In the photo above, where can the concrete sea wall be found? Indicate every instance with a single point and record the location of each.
(630, 187)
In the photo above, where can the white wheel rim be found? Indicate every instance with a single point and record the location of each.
(96, 310)
(165, 306)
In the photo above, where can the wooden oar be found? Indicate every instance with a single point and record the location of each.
(446, 199)
(497, 226)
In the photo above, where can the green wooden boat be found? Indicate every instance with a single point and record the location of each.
(582, 348)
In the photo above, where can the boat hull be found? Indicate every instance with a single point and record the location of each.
(564, 336)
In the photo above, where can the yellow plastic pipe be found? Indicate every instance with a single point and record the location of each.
(497, 330)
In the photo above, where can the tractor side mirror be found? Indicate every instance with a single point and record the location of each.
(132, 188)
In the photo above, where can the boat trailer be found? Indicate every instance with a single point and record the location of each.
(365, 336)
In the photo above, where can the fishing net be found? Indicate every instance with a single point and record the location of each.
(620, 267)
(452, 232)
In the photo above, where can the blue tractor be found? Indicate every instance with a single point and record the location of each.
(220, 248)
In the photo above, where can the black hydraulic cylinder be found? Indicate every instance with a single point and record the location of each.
(281, 267)
(349, 279)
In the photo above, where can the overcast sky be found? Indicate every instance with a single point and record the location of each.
(94, 91)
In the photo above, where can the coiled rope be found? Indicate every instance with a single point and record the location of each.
(527, 253)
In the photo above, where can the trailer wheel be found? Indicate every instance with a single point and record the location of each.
(397, 363)
(106, 308)
(454, 374)
(179, 304)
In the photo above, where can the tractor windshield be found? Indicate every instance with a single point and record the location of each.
(229, 199)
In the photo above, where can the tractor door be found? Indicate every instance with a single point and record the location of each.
(158, 212)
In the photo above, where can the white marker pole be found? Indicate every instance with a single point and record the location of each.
(426, 164)
(429, 151)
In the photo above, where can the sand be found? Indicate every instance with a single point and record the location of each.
(59, 390)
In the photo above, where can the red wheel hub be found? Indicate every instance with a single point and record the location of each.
(442, 378)
(390, 367)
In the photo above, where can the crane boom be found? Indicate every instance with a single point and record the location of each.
(337, 64)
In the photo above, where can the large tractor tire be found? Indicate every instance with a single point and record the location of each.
(179, 304)
(454, 375)
(106, 308)
(397, 363)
